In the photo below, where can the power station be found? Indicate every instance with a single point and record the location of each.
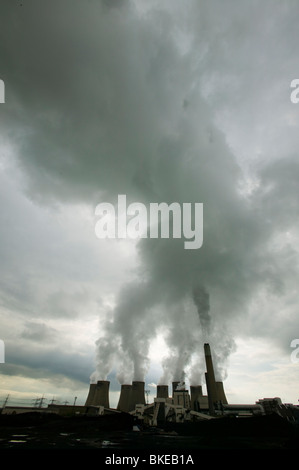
(177, 417)
(182, 405)
(178, 406)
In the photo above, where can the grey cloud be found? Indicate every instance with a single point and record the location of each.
(38, 332)
(106, 101)
(46, 361)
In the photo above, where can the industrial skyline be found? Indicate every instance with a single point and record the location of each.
(132, 395)
(186, 102)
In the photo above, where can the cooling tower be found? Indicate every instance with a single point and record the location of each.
(162, 391)
(92, 389)
(101, 394)
(196, 392)
(174, 386)
(137, 394)
(220, 393)
(210, 379)
(125, 398)
(182, 398)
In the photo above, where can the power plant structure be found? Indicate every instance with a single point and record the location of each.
(98, 394)
(179, 406)
(182, 405)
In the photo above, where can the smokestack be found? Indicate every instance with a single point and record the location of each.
(196, 392)
(92, 389)
(220, 393)
(162, 391)
(101, 394)
(125, 398)
(137, 394)
(210, 379)
(174, 386)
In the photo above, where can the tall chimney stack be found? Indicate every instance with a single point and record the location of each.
(101, 394)
(210, 379)
(125, 398)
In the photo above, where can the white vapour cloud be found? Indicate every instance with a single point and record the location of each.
(163, 102)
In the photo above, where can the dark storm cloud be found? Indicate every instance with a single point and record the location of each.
(77, 82)
(54, 368)
(39, 355)
(112, 100)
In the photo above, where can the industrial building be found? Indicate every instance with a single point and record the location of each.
(179, 406)
(182, 405)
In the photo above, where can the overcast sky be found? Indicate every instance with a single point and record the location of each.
(162, 101)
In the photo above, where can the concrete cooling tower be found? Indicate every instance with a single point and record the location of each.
(98, 394)
(195, 392)
(130, 396)
(162, 391)
(137, 394)
(125, 398)
(89, 400)
(220, 393)
(174, 386)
